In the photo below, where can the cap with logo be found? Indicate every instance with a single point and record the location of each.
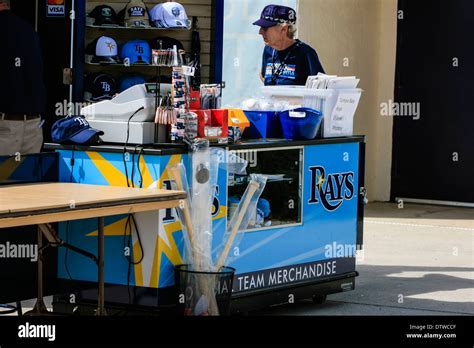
(137, 52)
(74, 130)
(169, 15)
(100, 86)
(136, 15)
(104, 15)
(103, 50)
(276, 14)
(129, 81)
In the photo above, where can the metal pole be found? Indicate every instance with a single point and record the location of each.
(36, 15)
(40, 307)
(71, 60)
(101, 300)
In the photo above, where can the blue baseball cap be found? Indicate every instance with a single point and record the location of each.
(275, 14)
(129, 81)
(73, 130)
(137, 51)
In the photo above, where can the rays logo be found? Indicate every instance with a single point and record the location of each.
(176, 11)
(136, 11)
(106, 12)
(105, 86)
(331, 189)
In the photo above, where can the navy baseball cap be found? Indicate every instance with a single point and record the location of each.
(74, 130)
(276, 14)
(104, 15)
(100, 86)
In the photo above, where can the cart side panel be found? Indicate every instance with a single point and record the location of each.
(324, 246)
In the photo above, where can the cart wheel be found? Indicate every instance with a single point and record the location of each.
(319, 299)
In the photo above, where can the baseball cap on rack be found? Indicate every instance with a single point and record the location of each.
(103, 50)
(137, 52)
(104, 15)
(136, 15)
(74, 130)
(169, 15)
(129, 81)
(100, 87)
(276, 14)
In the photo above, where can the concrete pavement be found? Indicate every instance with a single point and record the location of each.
(417, 261)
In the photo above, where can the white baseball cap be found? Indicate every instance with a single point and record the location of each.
(104, 49)
(169, 15)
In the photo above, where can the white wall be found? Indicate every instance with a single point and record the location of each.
(364, 32)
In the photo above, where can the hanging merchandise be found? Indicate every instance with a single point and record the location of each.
(196, 56)
(211, 96)
(179, 87)
(179, 93)
(103, 50)
(166, 114)
(164, 52)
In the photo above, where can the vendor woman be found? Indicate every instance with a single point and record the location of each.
(286, 61)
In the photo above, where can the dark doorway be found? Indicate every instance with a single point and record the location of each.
(433, 157)
(55, 45)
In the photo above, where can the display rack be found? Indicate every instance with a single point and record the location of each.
(202, 9)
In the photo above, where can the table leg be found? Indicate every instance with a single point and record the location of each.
(40, 307)
(101, 299)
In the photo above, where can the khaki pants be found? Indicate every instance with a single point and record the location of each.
(23, 137)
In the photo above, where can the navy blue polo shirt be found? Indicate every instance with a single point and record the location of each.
(22, 89)
(300, 61)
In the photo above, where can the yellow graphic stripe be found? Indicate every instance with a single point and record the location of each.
(172, 253)
(113, 176)
(8, 167)
(137, 255)
(174, 160)
(222, 214)
(147, 178)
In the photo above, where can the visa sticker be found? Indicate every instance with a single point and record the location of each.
(55, 8)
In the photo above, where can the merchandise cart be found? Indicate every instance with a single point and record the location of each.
(306, 247)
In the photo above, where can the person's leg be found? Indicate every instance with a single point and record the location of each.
(32, 138)
(11, 137)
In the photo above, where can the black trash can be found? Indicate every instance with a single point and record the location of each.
(203, 293)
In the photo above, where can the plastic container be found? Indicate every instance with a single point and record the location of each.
(301, 124)
(191, 297)
(237, 118)
(263, 125)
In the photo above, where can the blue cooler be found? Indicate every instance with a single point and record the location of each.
(263, 125)
(301, 124)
